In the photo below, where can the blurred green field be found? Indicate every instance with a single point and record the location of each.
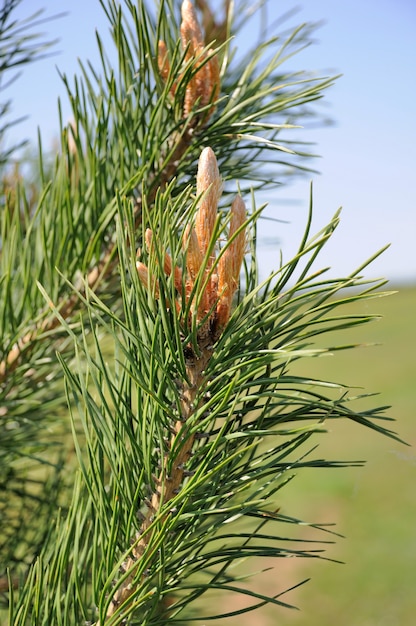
(373, 507)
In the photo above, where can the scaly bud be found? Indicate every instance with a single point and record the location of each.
(203, 86)
(208, 188)
(213, 82)
(217, 280)
(229, 265)
(148, 236)
(191, 32)
(177, 272)
(143, 273)
(163, 60)
(193, 252)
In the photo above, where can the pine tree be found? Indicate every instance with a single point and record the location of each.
(131, 294)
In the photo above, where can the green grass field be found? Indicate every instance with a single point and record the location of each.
(373, 507)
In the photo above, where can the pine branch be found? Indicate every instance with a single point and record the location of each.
(186, 431)
(201, 87)
(208, 289)
(198, 92)
(236, 395)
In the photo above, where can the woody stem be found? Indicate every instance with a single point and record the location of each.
(168, 483)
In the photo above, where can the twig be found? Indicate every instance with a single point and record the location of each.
(167, 486)
(202, 89)
(211, 311)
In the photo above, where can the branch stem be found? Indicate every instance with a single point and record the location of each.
(102, 270)
(169, 481)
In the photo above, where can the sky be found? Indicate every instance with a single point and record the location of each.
(367, 160)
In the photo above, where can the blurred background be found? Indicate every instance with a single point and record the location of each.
(367, 163)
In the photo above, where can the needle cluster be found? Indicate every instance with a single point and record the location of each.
(206, 291)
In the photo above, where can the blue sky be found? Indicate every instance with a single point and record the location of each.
(368, 158)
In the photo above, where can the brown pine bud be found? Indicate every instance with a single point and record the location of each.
(193, 252)
(203, 87)
(211, 283)
(191, 32)
(229, 265)
(238, 245)
(163, 60)
(148, 236)
(177, 272)
(143, 274)
(213, 81)
(208, 188)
